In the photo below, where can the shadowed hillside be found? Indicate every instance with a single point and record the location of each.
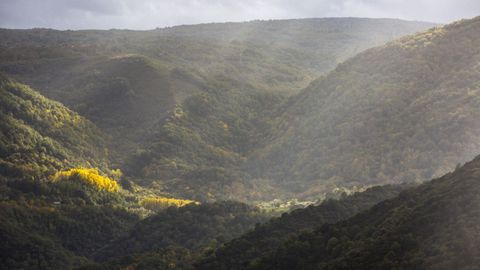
(243, 251)
(181, 237)
(191, 227)
(433, 226)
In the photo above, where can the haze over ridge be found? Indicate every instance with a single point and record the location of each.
(149, 14)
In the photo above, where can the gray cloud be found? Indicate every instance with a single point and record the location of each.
(148, 14)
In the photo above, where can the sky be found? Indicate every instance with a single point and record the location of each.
(149, 14)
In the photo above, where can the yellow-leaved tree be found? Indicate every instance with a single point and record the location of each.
(89, 176)
(158, 203)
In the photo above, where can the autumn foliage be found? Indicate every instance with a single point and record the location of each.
(89, 176)
(154, 203)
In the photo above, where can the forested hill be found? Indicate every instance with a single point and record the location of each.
(197, 117)
(433, 226)
(313, 45)
(265, 238)
(406, 111)
(185, 106)
(319, 44)
(40, 136)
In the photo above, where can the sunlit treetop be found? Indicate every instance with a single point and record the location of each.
(89, 176)
(154, 203)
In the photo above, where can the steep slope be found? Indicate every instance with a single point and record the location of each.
(39, 235)
(243, 251)
(193, 227)
(129, 86)
(39, 136)
(406, 111)
(433, 226)
(198, 150)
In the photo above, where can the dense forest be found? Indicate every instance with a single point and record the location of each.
(59, 212)
(406, 111)
(184, 107)
(40, 136)
(283, 144)
(433, 226)
(265, 238)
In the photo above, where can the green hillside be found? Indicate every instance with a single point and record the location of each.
(183, 236)
(406, 111)
(40, 235)
(39, 136)
(55, 217)
(167, 149)
(193, 227)
(433, 226)
(199, 149)
(36, 233)
(283, 54)
(185, 106)
(265, 238)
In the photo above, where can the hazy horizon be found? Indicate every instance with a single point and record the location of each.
(150, 14)
(222, 22)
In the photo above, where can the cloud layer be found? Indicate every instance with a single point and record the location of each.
(148, 14)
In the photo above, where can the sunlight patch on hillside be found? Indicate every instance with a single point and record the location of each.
(89, 176)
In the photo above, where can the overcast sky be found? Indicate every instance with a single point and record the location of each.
(148, 14)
